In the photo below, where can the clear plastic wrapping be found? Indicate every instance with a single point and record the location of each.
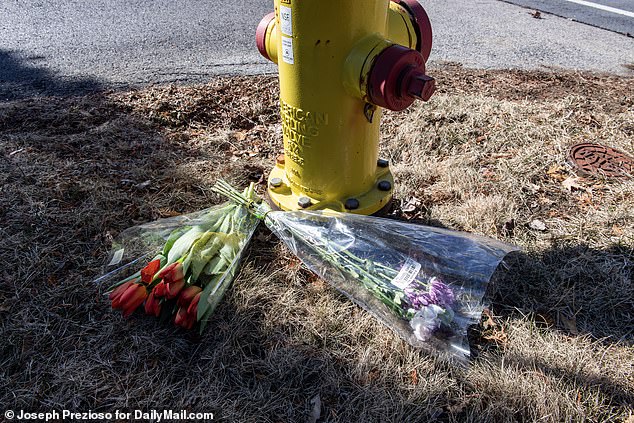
(425, 283)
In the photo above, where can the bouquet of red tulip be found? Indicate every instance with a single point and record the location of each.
(198, 257)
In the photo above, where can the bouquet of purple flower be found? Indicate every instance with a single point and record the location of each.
(425, 283)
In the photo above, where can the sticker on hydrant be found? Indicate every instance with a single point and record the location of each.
(286, 19)
(287, 50)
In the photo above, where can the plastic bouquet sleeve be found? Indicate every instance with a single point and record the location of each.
(425, 283)
(179, 268)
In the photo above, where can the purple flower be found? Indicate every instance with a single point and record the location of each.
(417, 298)
(426, 321)
(438, 293)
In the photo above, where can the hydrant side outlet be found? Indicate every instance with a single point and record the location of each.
(266, 37)
(327, 52)
(260, 34)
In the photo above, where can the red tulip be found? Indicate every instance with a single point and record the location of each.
(160, 289)
(172, 273)
(180, 317)
(148, 272)
(174, 288)
(170, 291)
(132, 298)
(173, 281)
(115, 295)
(152, 305)
(184, 319)
(187, 313)
(187, 295)
(193, 306)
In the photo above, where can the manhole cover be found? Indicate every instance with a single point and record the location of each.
(596, 159)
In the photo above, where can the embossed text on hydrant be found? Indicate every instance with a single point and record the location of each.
(300, 127)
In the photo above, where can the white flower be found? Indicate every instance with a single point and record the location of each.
(425, 321)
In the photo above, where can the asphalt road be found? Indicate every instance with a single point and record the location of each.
(614, 15)
(70, 46)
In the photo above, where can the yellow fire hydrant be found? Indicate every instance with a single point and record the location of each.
(340, 62)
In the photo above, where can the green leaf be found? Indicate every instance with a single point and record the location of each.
(215, 290)
(176, 233)
(122, 281)
(198, 245)
(214, 296)
(183, 244)
(204, 320)
(225, 227)
(231, 247)
(201, 254)
(216, 266)
(212, 220)
(168, 310)
(203, 303)
(225, 257)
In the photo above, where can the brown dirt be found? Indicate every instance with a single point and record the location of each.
(487, 155)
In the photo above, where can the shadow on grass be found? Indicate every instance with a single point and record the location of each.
(20, 78)
(74, 171)
(577, 289)
(618, 392)
(574, 294)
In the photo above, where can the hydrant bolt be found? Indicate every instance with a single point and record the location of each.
(385, 185)
(276, 182)
(382, 163)
(304, 202)
(352, 204)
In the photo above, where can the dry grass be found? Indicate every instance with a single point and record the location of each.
(486, 155)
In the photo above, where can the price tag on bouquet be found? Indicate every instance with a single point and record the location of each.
(407, 274)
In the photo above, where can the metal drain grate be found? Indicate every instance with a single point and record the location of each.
(596, 159)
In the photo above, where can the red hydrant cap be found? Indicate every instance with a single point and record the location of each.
(398, 78)
(260, 34)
